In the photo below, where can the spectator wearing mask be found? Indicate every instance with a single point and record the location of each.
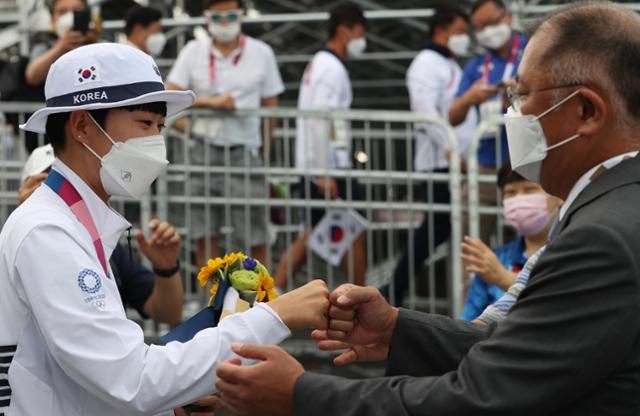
(326, 85)
(229, 70)
(432, 82)
(482, 85)
(63, 39)
(144, 31)
(156, 294)
(531, 212)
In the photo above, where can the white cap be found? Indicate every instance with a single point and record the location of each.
(104, 75)
(39, 160)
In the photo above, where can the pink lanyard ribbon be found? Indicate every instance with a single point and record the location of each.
(236, 59)
(515, 49)
(66, 191)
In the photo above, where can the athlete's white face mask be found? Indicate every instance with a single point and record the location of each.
(224, 33)
(130, 167)
(356, 47)
(459, 44)
(527, 141)
(155, 43)
(494, 37)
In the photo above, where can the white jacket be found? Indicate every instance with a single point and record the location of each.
(77, 354)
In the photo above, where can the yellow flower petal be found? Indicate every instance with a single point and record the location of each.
(261, 295)
(272, 294)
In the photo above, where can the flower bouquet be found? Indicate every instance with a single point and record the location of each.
(237, 282)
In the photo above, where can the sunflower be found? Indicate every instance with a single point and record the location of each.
(213, 265)
(266, 281)
(272, 294)
(214, 289)
(261, 295)
(231, 258)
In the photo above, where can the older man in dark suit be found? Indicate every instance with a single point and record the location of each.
(571, 344)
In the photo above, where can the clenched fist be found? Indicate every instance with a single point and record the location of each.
(305, 307)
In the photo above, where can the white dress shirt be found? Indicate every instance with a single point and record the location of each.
(249, 73)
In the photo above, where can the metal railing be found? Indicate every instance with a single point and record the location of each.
(389, 206)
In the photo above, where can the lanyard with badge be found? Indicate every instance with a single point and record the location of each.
(511, 62)
(212, 61)
(490, 109)
(68, 193)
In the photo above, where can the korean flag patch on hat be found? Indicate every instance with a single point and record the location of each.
(104, 75)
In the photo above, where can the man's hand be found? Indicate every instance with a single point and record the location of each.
(327, 183)
(353, 353)
(71, 39)
(210, 402)
(265, 388)
(478, 258)
(30, 185)
(305, 307)
(480, 92)
(163, 248)
(222, 102)
(360, 316)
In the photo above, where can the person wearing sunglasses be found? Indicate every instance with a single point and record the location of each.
(228, 71)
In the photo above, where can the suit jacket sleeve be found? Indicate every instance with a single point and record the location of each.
(430, 345)
(572, 326)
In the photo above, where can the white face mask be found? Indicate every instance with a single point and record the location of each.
(494, 37)
(527, 141)
(459, 44)
(356, 47)
(155, 43)
(130, 167)
(64, 23)
(224, 33)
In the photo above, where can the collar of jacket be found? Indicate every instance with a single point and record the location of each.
(429, 45)
(625, 173)
(109, 222)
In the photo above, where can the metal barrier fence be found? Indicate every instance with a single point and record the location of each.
(383, 142)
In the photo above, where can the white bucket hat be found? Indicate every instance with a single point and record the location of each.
(39, 160)
(104, 75)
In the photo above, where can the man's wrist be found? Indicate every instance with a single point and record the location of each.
(391, 326)
(167, 272)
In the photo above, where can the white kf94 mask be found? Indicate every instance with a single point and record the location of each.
(130, 167)
(527, 141)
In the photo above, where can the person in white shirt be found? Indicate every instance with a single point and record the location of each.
(320, 144)
(67, 347)
(144, 31)
(228, 71)
(432, 82)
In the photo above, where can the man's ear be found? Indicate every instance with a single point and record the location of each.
(593, 112)
(79, 126)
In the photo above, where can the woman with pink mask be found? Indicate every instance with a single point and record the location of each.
(531, 212)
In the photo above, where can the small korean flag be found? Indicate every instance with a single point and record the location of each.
(85, 75)
(335, 233)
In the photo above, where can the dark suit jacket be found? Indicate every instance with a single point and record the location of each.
(570, 345)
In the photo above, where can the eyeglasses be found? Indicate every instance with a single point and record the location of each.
(230, 16)
(514, 97)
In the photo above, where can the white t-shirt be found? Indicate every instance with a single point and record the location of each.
(325, 85)
(432, 81)
(250, 73)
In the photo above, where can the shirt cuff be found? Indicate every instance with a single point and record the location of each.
(266, 324)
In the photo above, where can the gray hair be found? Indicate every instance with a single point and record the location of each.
(598, 44)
